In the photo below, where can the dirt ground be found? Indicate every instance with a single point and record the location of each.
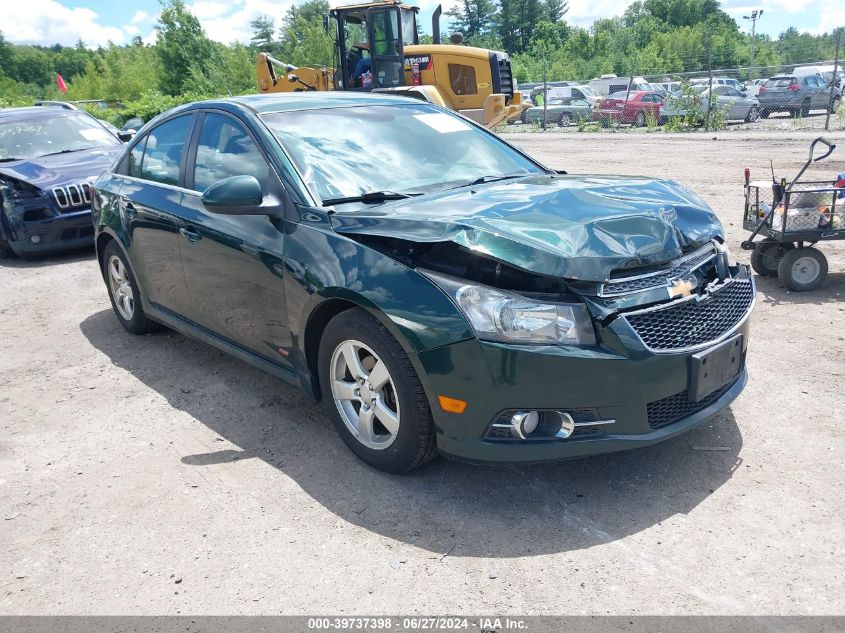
(154, 475)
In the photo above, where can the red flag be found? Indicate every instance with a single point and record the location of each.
(61, 82)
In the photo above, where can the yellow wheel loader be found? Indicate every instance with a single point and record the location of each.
(377, 49)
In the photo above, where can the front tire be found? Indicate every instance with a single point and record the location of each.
(834, 105)
(639, 121)
(123, 292)
(803, 269)
(564, 121)
(6, 251)
(753, 114)
(377, 401)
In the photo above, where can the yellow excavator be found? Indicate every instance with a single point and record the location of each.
(377, 49)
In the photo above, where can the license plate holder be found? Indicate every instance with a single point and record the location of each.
(715, 367)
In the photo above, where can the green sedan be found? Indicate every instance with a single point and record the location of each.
(562, 112)
(440, 290)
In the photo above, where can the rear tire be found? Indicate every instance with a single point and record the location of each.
(766, 257)
(834, 105)
(123, 292)
(803, 110)
(406, 439)
(639, 120)
(565, 121)
(803, 269)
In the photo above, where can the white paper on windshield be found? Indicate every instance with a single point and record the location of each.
(443, 122)
(93, 134)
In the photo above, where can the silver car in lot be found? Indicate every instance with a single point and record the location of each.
(562, 112)
(736, 105)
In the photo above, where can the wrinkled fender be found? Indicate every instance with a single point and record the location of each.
(321, 265)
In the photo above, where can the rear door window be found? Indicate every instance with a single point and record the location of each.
(164, 149)
(225, 149)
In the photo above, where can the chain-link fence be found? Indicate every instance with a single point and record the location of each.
(808, 94)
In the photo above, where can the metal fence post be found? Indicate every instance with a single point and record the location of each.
(833, 87)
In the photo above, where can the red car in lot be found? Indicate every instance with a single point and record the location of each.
(625, 107)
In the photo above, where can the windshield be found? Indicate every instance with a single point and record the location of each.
(588, 92)
(40, 135)
(345, 152)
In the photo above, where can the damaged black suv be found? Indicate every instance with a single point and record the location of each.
(49, 156)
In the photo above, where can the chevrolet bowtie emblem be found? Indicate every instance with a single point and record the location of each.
(681, 288)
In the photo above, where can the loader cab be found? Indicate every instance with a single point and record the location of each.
(377, 32)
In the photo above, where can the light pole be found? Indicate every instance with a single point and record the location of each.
(755, 15)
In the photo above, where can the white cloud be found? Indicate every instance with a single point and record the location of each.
(141, 17)
(585, 12)
(229, 22)
(49, 22)
(206, 9)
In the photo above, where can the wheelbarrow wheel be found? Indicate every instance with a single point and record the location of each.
(767, 255)
(803, 269)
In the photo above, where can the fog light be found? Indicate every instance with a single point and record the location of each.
(525, 423)
(567, 425)
(35, 239)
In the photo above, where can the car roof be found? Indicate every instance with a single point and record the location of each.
(291, 101)
(32, 112)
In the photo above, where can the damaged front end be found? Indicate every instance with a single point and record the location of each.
(692, 301)
(34, 221)
(618, 363)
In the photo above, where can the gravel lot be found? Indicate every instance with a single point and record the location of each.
(155, 475)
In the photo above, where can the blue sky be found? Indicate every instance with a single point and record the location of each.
(98, 21)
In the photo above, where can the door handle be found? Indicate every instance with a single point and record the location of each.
(131, 211)
(190, 235)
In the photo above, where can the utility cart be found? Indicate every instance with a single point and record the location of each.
(792, 218)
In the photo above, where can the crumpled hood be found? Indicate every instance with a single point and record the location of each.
(46, 172)
(578, 227)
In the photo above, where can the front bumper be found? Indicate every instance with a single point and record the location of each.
(622, 380)
(62, 232)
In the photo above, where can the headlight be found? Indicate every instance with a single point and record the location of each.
(497, 315)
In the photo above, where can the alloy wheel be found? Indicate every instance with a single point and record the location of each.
(121, 288)
(364, 394)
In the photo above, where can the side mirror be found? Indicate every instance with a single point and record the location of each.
(126, 135)
(236, 195)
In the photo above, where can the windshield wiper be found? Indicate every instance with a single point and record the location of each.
(370, 197)
(9, 160)
(68, 151)
(485, 179)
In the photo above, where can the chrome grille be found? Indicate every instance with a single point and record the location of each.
(669, 410)
(71, 197)
(657, 279)
(696, 320)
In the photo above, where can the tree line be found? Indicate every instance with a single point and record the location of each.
(650, 37)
